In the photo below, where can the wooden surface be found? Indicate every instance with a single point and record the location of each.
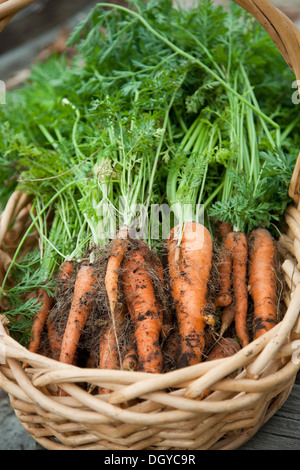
(282, 431)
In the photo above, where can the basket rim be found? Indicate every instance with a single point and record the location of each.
(280, 28)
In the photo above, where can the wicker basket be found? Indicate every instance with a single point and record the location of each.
(142, 412)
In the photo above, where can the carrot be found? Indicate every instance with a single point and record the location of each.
(118, 250)
(165, 312)
(109, 353)
(225, 270)
(54, 338)
(144, 310)
(40, 319)
(262, 281)
(130, 361)
(82, 302)
(228, 314)
(224, 228)
(226, 347)
(239, 283)
(67, 269)
(233, 275)
(189, 276)
(170, 350)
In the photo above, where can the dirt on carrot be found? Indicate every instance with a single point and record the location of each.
(40, 318)
(144, 308)
(98, 329)
(224, 298)
(190, 264)
(263, 281)
(157, 332)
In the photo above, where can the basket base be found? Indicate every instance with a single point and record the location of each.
(63, 435)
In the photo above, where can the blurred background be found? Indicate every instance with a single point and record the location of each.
(43, 27)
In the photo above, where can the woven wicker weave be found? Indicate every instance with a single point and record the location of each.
(142, 412)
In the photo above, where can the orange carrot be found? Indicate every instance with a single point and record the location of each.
(228, 314)
(144, 310)
(54, 338)
(226, 347)
(262, 281)
(233, 270)
(239, 283)
(118, 250)
(165, 313)
(225, 269)
(170, 349)
(82, 302)
(189, 275)
(224, 228)
(130, 361)
(67, 269)
(40, 319)
(109, 353)
(158, 275)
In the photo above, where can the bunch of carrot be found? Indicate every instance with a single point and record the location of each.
(136, 282)
(248, 264)
(177, 127)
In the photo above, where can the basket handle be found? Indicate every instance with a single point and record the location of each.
(286, 36)
(280, 28)
(294, 188)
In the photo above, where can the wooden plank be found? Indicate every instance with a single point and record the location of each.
(282, 431)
